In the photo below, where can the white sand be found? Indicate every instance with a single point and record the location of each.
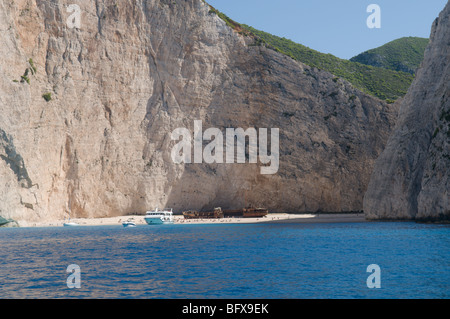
(139, 220)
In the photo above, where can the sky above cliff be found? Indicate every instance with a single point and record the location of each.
(336, 27)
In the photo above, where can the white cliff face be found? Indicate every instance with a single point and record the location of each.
(411, 177)
(135, 71)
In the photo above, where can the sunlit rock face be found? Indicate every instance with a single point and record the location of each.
(129, 74)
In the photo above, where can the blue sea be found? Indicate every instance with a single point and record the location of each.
(237, 261)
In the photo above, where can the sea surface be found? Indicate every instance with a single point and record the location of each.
(257, 261)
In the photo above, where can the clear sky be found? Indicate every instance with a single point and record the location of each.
(335, 26)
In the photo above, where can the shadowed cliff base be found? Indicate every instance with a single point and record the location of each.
(439, 219)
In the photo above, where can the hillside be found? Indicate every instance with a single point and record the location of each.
(380, 82)
(404, 54)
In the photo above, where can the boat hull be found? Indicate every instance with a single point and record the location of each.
(128, 225)
(70, 224)
(157, 221)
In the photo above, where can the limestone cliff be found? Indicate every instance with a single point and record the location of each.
(411, 177)
(87, 113)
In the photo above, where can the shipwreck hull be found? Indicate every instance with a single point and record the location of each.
(192, 214)
(246, 212)
(219, 213)
(254, 212)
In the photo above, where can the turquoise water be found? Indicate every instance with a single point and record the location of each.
(227, 261)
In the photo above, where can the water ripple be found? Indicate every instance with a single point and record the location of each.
(227, 261)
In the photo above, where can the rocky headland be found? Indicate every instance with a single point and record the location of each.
(411, 178)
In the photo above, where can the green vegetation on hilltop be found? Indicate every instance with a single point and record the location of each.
(380, 82)
(404, 54)
(230, 22)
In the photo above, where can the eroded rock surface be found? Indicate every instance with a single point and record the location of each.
(411, 177)
(136, 70)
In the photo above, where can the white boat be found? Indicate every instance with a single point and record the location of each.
(70, 224)
(129, 223)
(159, 217)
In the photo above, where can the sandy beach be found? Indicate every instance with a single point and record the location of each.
(178, 219)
